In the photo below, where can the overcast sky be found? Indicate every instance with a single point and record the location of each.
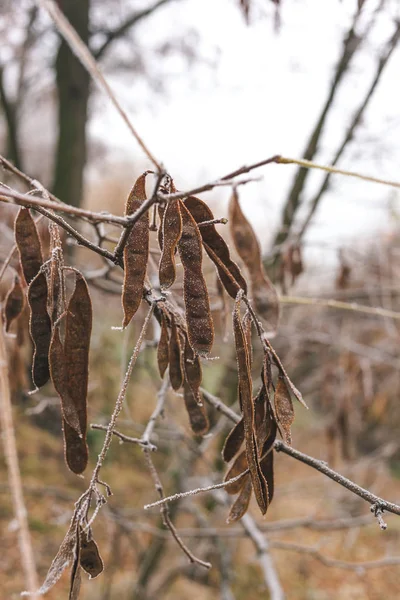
(262, 97)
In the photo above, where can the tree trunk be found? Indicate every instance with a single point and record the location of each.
(73, 84)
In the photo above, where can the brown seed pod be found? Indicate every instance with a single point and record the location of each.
(29, 246)
(90, 559)
(233, 441)
(197, 305)
(40, 329)
(161, 210)
(267, 468)
(78, 328)
(136, 252)
(196, 410)
(193, 370)
(264, 294)
(284, 409)
(239, 466)
(171, 234)
(216, 247)
(241, 504)
(163, 348)
(245, 392)
(60, 379)
(75, 449)
(14, 303)
(175, 358)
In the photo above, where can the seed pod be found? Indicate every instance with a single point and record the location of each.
(239, 466)
(233, 441)
(90, 560)
(60, 379)
(163, 348)
(136, 252)
(29, 246)
(245, 392)
(175, 358)
(40, 329)
(75, 449)
(75, 584)
(171, 234)
(241, 504)
(216, 247)
(267, 468)
(56, 279)
(284, 409)
(62, 560)
(196, 410)
(161, 210)
(266, 434)
(14, 303)
(193, 371)
(197, 304)
(264, 294)
(78, 328)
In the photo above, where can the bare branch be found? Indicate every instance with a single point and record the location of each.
(84, 55)
(122, 29)
(14, 474)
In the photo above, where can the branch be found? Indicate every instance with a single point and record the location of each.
(359, 567)
(391, 45)
(83, 53)
(130, 22)
(376, 502)
(350, 45)
(337, 304)
(14, 474)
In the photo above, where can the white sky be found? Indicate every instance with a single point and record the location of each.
(263, 98)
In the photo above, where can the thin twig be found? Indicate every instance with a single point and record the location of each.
(320, 466)
(308, 164)
(208, 488)
(83, 53)
(125, 438)
(351, 306)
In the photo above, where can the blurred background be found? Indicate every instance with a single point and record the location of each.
(212, 86)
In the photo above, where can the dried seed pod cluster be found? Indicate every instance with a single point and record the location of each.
(60, 332)
(257, 429)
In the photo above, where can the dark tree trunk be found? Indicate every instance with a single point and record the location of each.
(73, 84)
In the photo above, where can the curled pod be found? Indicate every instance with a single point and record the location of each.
(216, 247)
(239, 466)
(233, 442)
(197, 304)
(136, 252)
(90, 559)
(175, 357)
(40, 329)
(28, 243)
(14, 303)
(171, 234)
(241, 504)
